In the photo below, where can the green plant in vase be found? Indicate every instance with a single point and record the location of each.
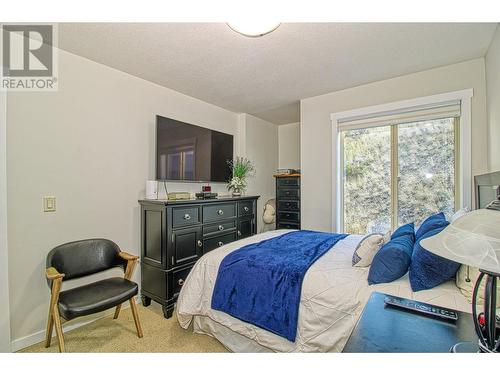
(241, 168)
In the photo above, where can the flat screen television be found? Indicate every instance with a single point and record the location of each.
(186, 152)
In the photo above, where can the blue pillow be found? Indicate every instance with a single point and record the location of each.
(428, 270)
(407, 229)
(392, 261)
(432, 222)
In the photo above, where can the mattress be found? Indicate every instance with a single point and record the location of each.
(333, 296)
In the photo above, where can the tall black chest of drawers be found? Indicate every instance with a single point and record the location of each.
(288, 201)
(175, 234)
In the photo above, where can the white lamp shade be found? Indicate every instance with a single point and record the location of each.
(473, 239)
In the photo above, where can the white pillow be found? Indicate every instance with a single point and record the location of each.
(458, 214)
(465, 273)
(366, 250)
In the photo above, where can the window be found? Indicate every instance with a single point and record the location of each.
(398, 172)
(367, 180)
(427, 169)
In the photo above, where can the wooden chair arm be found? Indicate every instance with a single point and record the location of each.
(127, 256)
(131, 262)
(52, 274)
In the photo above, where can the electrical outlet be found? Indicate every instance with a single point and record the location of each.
(49, 204)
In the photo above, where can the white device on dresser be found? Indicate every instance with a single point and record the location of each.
(151, 189)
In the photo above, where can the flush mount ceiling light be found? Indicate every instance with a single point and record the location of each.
(253, 29)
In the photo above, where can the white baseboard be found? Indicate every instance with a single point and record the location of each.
(39, 336)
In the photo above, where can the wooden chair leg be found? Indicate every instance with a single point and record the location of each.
(50, 326)
(59, 331)
(117, 311)
(133, 307)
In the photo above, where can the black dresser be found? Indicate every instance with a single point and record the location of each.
(175, 234)
(288, 201)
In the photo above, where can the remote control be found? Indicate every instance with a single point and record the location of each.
(421, 307)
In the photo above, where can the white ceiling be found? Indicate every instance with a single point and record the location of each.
(267, 76)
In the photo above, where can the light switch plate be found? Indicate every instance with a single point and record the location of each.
(49, 204)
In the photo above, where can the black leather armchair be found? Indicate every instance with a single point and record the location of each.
(82, 258)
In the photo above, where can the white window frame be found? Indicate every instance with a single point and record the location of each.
(464, 167)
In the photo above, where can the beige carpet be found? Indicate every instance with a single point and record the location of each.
(160, 335)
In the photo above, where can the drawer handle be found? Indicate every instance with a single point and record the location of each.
(239, 234)
(221, 243)
(187, 216)
(287, 192)
(221, 227)
(200, 244)
(220, 212)
(246, 209)
(180, 282)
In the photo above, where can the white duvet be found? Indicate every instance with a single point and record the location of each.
(333, 296)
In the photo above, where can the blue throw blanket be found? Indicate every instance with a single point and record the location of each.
(261, 283)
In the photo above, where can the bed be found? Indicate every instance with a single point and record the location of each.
(333, 296)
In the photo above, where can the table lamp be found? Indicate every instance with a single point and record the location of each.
(474, 240)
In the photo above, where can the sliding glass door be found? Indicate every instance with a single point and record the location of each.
(367, 180)
(398, 173)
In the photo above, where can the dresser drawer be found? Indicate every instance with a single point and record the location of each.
(186, 246)
(184, 216)
(178, 278)
(246, 227)
(289, 216)
(219, 227)
(219, 212)
(290, 181)
(288, 205)
(245, 208)
(288, 226)
(215, 242)
(288, 193)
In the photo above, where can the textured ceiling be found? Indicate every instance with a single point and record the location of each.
(267, 76)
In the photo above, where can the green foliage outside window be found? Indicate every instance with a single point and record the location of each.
(426, 180)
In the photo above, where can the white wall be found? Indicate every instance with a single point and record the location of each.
(493, 96)
(261, 147)
(4, 256)
(91, 145)
(316, 137)
(289, 145)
